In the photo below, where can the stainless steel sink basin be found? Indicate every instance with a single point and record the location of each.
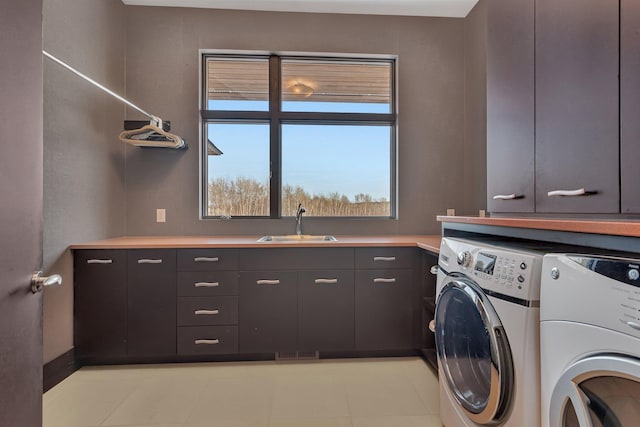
(298, 238)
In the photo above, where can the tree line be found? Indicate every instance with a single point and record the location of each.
(249, 197)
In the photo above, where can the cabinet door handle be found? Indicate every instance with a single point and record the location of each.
(383, 280)
(434, 269)
(325, 281)
(578, 192)
(507, 196)
(207, 342)
(206, 259)
(206, 312)
(149, 261)
(206, 284)
(268, 282)
(99, 261)
(384, 258)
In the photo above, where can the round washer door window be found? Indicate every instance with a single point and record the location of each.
(600, 391)
(473, 352)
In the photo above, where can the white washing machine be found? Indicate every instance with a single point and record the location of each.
(590, 341)
(487, 334)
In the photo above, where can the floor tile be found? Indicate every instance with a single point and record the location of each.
(406, 421)
(390, 392)
(311, 422)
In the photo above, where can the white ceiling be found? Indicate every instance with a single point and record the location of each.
(449, 8)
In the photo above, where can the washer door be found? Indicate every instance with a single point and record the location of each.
(473, 351)
(599, 391)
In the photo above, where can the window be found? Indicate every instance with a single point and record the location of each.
(284, 130)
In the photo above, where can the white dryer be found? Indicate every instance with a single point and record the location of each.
(487, 334)
(590, 341)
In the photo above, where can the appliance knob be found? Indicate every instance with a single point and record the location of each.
(633, 274)
(523, 266)
(464, 258)
(555, 273)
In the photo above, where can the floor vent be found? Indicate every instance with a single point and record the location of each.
(297, 355)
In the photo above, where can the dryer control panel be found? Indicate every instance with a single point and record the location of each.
(596, 290)
(504, 270)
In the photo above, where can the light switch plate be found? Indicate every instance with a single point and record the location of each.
(161, 215)
(451, 212)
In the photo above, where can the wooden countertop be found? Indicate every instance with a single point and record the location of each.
(605, 226)
(429, 243)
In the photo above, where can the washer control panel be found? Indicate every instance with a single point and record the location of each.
(505, 270)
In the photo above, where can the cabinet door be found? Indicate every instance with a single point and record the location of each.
(510, 105)
(267, 311)
(100, 303)
(325, 310)
(151, 313)
(630, 105)
(384, 309)
(577, 136)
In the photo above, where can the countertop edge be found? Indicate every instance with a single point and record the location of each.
(605, 227)
(427, 242)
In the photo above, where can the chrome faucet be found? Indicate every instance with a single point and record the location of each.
(299, 213)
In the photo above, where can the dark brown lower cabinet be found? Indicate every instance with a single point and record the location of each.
(384, 306)
(268, 311)
(100, 304)
(325, 310)
(151, 310)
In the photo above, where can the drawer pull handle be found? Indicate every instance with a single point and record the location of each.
(206, 259)
(382, 280)
(434, 269)
(578, 192)
(149, 261)
(205, 312)
(99, 261)
(325, 281)
(207, 342)
(206, 284)
(512, 196)
(268, 282)
(384, 258)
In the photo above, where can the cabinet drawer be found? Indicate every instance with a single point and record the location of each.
(207, 259)
(207, 283)
(202, 340)
(296, 258)
(221, 310)
(383, 258)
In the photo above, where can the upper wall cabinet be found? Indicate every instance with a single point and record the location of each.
(510, 106)
(577, 130)
(553, 106)
(630, 105)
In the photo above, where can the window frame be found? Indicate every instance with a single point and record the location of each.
(275, 118)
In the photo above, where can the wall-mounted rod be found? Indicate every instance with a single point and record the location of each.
(95, 83)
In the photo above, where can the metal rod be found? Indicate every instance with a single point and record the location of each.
(93, 82)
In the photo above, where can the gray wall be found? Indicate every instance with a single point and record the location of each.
(83, 159)
(162, 76)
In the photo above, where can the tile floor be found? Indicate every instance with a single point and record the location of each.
(384, 392)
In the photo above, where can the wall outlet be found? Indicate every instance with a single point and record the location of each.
(482, 213)
(161, 215)
(451, 212)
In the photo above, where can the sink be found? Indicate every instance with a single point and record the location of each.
(298, 238)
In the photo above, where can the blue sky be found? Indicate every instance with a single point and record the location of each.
(320, 158)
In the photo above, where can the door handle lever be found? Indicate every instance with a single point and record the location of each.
(38, 282)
